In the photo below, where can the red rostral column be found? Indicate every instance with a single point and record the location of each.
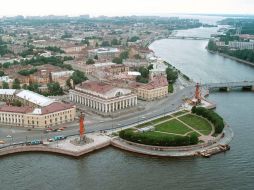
(81, 126)
(198, 93)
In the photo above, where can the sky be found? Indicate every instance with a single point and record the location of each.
(123, 7)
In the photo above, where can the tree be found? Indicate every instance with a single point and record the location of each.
(1, 73)
(54, 89)
(90, 61)
(5, 85)
(96, 57)
(68, 83)
(24, 86)
(212, 46)
(134, 39)
(33, 87)
(117, 60)
(78, 77)
(114, 42)
(137, 56)
(144, 72)
(141, 79)
(16, 84)
(150, 67)
(172, 75)
(124, 55)
(105, 44)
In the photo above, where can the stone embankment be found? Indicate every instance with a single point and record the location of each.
(65, 147)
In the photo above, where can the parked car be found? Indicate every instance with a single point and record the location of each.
(57, 138)
(34, 142)
(50, 140)
(2, 142)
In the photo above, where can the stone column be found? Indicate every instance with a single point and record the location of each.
(106, 106)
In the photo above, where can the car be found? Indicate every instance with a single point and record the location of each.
(8, 136)
(2, 142)
(47, 130)
(50, 140)
(57, 138)
(36, 142)
(61, 128)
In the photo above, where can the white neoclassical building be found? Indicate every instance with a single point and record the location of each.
(103, 97)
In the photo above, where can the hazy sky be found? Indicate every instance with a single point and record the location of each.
(123, 7)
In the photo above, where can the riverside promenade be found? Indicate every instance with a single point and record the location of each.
(64, 147)
(100, 140)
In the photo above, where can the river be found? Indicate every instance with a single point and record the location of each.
(110, 168)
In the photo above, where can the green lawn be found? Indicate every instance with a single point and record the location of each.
(179, 113)
(198, 123)
(154, 121)
(173, 126)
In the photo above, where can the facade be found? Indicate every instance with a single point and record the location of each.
(241, 45)
(104, 53)
(103, 97)
(117, 69)
(155, 89)
(36, 111)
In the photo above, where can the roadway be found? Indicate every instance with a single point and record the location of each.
(171, 103)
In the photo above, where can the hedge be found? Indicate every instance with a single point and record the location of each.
(157, 139)
(213, 117)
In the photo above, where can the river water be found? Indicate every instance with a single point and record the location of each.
(111, 168)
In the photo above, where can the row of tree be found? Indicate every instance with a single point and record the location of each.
(149, 138)
(212, 116)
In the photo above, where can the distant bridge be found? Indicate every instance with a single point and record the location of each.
(188, 38)
(230, 85)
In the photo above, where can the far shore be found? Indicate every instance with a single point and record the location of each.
(231, 57)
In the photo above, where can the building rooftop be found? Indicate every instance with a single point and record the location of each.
(15, 109)
(34, 98)
(95, 86)
(101, 89)
(104, 50)
(7, 91)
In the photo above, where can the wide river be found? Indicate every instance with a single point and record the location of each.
(110, 168)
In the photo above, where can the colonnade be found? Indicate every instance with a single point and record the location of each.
(106, 106)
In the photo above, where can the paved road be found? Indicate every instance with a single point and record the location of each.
(156, 108)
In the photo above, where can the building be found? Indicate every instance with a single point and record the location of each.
(117, 69)
(104, 53)
(157, 88)
(36, 111)
(102, 97)
(241, 45)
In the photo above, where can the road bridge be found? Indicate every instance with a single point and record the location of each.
(188, 38)
(230, 85)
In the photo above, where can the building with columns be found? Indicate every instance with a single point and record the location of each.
(103, 97)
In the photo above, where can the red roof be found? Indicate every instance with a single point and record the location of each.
(157, 82)
(55, 107)
(99, 87)
(16, 109)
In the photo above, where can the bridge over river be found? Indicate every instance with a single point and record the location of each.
(188, 37)
(248, 85)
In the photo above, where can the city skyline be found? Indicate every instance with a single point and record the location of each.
(124, 8)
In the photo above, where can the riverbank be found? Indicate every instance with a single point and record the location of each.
(183, 151)
(230, 57)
